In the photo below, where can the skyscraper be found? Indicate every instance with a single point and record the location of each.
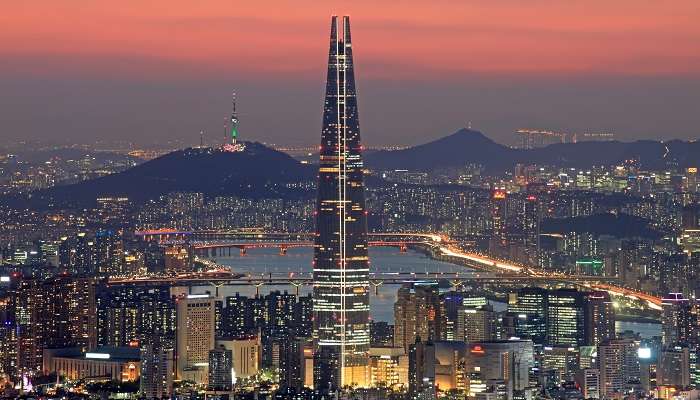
(565, 317)
(195, 336)
(599, 318)
(341, 269)
(677, 320)
(416, 314)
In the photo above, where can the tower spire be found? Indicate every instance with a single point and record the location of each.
(341, 266)
(231, 142)
(234, 121)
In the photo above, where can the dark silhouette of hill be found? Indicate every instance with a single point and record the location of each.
(257, 172)
(456, 150)
(472, 147)
(617, 225)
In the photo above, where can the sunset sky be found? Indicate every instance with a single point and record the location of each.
(146, 71)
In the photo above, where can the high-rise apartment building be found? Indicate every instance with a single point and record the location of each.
(599, 318)
(220, 369)
(678, 321)
(619, 366)
(156, 370)
(416, 314)
(54, 313)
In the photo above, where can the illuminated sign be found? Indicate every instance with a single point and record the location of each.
(4, 278)
(197, 296)
(499, 195)
(693, 170)
(644, 353)
(99, 356)
(477, 349)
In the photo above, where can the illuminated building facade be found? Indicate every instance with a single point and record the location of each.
(417, 314)
(220, 369)
(600, 318)
(341, 268)
(195, 336)
(156, 371)
(529, 307)
(565, 317)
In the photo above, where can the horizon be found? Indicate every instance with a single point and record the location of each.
(152, 73)
(177, 145)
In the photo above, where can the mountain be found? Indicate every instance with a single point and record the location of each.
(471, 147)
(256, 172)
(456, 150)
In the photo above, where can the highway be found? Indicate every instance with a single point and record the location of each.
(652, 301)
(439, 244)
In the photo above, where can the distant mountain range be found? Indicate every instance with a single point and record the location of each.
(261, 172)
(256, 172)
(472, 147)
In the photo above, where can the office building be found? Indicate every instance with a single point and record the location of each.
(246, 353)
(588, 379)
(389, 367)
(490, 362)
(381, 334)
(528, 307)
(341, 269)
(565, 318)
(436, 366)
(195, 336)
(476, 324)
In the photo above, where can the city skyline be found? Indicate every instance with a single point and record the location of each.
(144, 74)
(565, 266)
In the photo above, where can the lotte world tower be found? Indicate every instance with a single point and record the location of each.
(341, 268)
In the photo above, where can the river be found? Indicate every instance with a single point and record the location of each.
(383, 259)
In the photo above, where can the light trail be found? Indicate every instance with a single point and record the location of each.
(438, 242)
(651, 301)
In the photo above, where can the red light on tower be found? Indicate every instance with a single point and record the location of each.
(531, 198)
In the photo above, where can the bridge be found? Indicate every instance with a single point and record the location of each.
(212, 243)
(441, 248)
(164, 235)
(224, 248)
(299, 279)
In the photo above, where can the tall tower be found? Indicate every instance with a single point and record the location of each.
(341, 268)
(234, 122)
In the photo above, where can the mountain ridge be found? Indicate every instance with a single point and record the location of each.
(256, 172)
(467, 146)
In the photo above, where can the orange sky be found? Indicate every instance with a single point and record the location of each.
(417, 39)
(153, 70)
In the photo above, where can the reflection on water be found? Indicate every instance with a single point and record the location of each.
(646, 330)
(384, 259)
